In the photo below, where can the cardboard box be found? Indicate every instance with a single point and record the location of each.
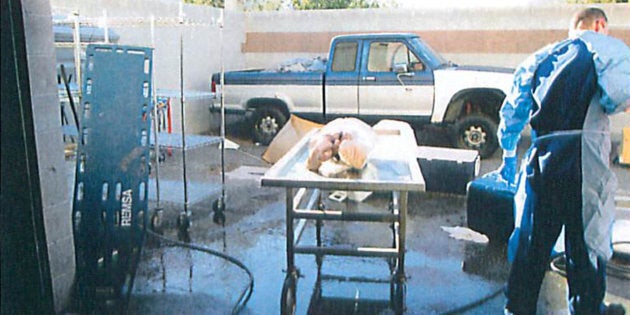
(287, 137)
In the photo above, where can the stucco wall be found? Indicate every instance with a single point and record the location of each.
(199, 33)
(467, 35)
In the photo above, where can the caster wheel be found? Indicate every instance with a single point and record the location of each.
(156, 222)
(287, 302)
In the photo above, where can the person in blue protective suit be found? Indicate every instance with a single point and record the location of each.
(565, 92)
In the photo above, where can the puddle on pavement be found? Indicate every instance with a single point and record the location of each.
(442, 273)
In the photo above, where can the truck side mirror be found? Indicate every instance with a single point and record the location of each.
(401, 68)
(402, 71)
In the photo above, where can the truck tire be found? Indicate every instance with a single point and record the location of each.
(476, 132)
(266, 123)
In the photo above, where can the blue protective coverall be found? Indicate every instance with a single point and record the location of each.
(565, 91)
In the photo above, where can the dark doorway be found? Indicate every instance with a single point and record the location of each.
(26, 282)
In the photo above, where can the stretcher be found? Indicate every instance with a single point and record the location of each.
(391, 168)
(112, 174)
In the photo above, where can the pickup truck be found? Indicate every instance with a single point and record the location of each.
(374, 77)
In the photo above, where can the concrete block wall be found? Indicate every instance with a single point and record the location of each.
(466, 34)
(50, 152)
(200, 33)
(501, 36)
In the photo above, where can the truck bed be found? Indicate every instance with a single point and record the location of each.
(266, 77)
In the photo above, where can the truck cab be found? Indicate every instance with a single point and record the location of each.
(374, 77)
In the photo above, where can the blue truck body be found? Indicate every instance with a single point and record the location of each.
(373, 77)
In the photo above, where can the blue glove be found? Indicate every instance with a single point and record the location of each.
(532, 135)
(507, 170)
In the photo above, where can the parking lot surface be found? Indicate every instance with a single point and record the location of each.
(445, 275)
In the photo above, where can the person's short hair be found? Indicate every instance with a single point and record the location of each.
(587, 16)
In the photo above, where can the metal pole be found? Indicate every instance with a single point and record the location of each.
(155, 123)
(402, 231)
(222, 111)
(77, 51)
(70, 100)
(219, 205)
(105, 27)
(183, 222)
(290, 236)
(183, 120)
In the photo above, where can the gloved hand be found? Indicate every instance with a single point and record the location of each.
(507, 170)
(532, 135)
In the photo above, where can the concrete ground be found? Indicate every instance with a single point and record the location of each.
(444, 275)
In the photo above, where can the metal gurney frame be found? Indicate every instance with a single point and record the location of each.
(392, 167)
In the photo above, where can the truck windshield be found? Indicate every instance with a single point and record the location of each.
(427, 53)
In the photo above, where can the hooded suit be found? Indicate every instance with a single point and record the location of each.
(565, 92)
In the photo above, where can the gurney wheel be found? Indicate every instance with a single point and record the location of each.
(156, 222)
(287, 302)
(162, 156)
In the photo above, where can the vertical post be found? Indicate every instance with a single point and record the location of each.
(183, 118)
(222, 109)
(319, 222)
(402, 231)
(77, 52)
(290, 234)
(156, 143)
(105, 27)
(185, 216)
(319, 259)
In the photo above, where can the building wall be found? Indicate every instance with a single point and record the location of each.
(468, 35)
(199, 33)
(50, 154)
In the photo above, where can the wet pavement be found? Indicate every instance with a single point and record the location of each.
(444, 275)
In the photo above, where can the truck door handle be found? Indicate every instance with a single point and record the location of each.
(369, 78)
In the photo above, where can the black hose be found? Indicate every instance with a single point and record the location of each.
(474, 304)
(245, 294)
(70, 99)
(613, 268)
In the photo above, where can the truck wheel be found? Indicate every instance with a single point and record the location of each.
(267, 121)
(476, 132)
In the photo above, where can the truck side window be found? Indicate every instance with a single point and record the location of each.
(384, 56)
(345, 56)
